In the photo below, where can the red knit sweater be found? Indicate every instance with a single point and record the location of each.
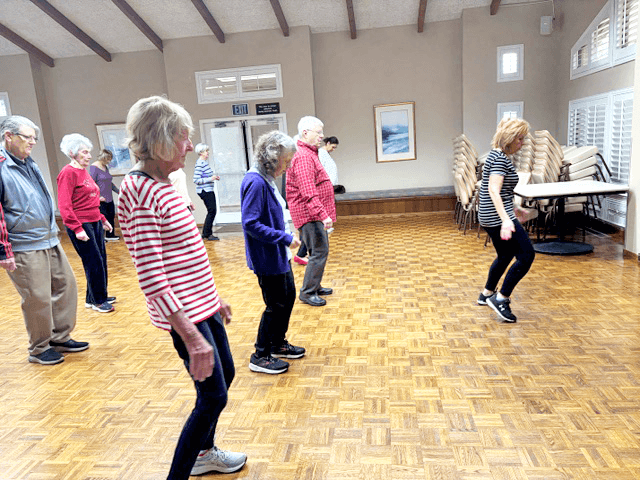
(78, 198)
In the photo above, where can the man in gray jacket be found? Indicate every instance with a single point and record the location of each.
(30, 250)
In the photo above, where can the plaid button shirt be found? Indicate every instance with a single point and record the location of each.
(309, 190)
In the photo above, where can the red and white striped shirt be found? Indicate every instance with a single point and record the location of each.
(167, 250)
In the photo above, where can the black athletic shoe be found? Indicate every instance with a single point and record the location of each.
(48, 357)
(269, 365)
(69, 346)
(482, 298)
(502, 308)
(286, 350)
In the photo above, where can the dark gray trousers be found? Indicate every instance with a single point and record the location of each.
(315, 237)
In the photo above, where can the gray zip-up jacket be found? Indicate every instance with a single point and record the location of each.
(27, 216)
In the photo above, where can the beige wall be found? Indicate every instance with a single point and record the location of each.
(84, 91)
(17, 79)
(482, 34)
(390, 65)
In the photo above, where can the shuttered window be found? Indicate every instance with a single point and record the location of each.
(609, 40)
(600, 41)
(626, 22)
(620, 155)
(234, 84)
(605, 121)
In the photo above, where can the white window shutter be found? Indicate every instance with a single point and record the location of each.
(620, 155)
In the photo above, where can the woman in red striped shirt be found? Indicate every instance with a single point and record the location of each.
(175, 276)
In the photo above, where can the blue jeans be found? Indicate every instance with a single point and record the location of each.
(518, 246)
(94, 260)
(199, 430)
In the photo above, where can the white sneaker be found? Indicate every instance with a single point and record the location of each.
(216, 460)
(112, 239)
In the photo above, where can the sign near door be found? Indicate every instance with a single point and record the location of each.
(267, 108)
(240, 109)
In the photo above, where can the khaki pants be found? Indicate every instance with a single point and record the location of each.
(46, 283)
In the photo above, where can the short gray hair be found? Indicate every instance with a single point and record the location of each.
(153, 124)
(201, 147)
(13, 123)
(307, 123)
(270, 148)
(72, 143)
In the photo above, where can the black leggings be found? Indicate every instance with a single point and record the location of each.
(518, 246)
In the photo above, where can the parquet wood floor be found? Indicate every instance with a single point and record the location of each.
(405, 377)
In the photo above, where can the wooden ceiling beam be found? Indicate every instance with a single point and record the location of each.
(422, 10)
(208, 18)
(352, 19)
(277, 9)
(495, 4)
(72, 28)
(20, 42)
(137, 20)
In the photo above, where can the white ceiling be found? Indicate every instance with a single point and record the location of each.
(170, 19)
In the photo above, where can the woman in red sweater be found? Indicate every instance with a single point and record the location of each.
(79, 204)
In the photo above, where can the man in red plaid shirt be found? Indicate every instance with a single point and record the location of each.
(312, 206)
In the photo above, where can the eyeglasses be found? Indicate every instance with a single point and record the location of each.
(28, 137)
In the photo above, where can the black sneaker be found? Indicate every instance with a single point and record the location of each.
(286, 350)
(502, 308)
(482, 298)
(48, 357)
(69, 346)
(111, 299)
(269, 365)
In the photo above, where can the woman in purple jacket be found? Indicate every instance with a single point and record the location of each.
(267, 242)
(99, 171)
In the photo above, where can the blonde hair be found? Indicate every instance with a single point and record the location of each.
(103, 155)
(508, 130)
(153, 123)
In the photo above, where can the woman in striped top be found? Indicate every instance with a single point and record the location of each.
(175, 276)
(500, 218)
(204, 177)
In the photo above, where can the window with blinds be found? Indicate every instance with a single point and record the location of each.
(605, 121)
(510, 63)
(609, 40)
(234, 84)
(620, 152)
(600, 41)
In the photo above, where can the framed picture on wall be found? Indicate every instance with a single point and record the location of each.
(112, 137)
(395, 132)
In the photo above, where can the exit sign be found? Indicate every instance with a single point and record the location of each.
(240, 109)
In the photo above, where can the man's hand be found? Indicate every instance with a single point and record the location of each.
(328, 223)
(295, 243)
(225, 312)
(82, 236)
(8, 264)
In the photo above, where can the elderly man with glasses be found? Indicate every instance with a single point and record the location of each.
(313, 210)
(30, 249)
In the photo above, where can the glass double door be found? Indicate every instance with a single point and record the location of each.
(231, 142)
